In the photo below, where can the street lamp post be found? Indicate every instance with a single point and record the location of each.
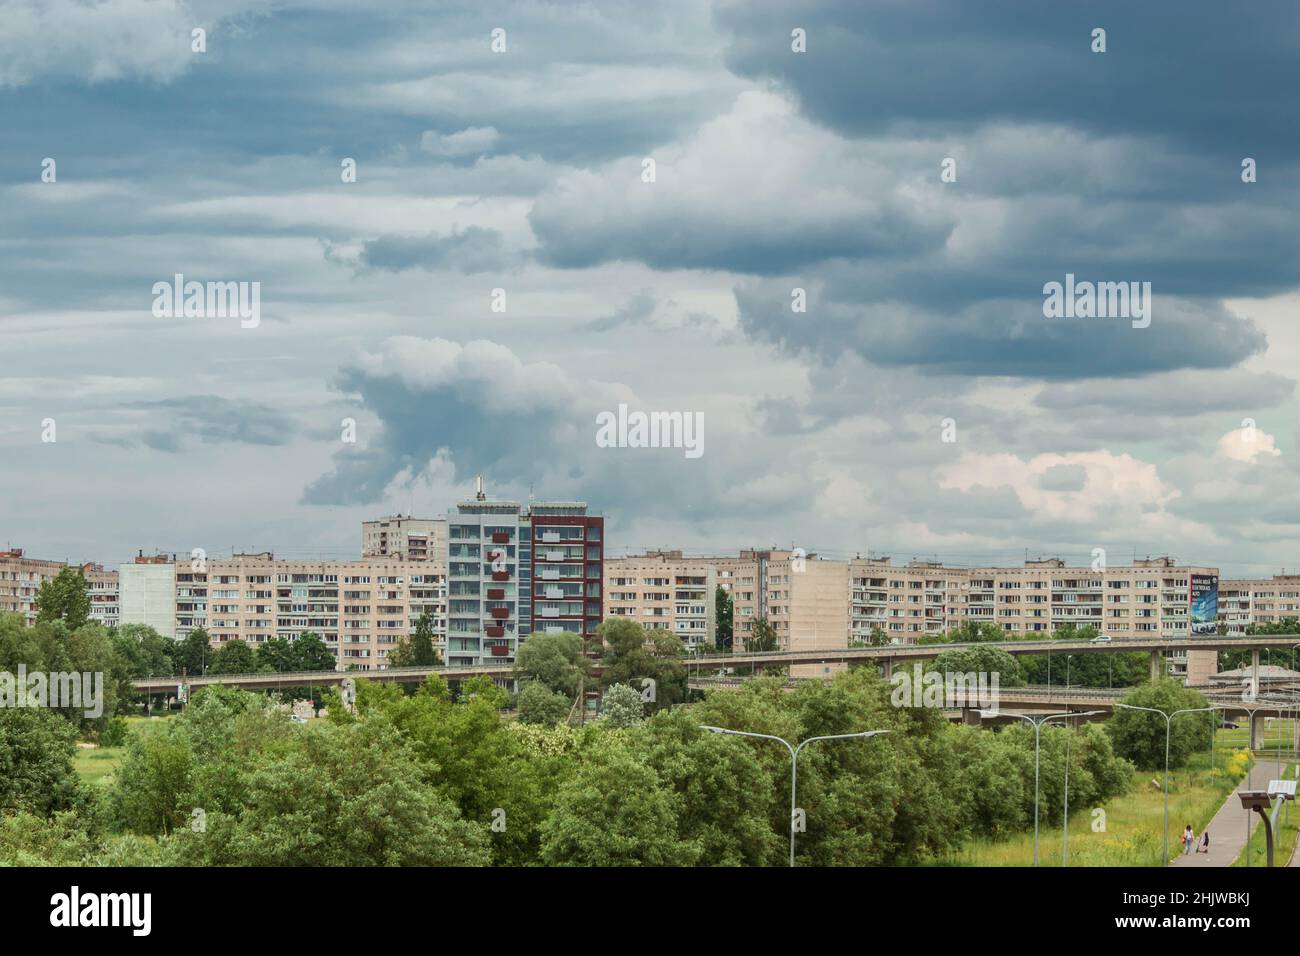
(794, 760)
(1169, 722)
(1037, 725)
(1250, 732)
(1065, 820)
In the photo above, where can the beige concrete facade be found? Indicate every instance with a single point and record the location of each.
(361, 609)
(806, 600)
(20, 580)
(1247, 601)
(404, 538)
(102, 587)
(664, 591)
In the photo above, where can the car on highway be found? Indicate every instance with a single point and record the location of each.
(1100, 639)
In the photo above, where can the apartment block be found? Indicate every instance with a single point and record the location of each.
(805, 599)
(102, 588)
(489, 581)
(568, 556)
(905, 603)
(20, 580)
(512, 572)
(361, 609)
(1153, 597)
(147, 593)
(1244, 602)
(404, 538)
(662, 590)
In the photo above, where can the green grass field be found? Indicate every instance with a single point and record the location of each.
(97, 764)
(1284, 839)
(1132, 822)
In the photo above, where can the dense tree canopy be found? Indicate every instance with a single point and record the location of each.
(436, 777)
(1140, 736)
(64, 598)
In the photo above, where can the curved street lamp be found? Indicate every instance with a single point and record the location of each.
(1169, 721)
(1038, 726)
(794, 760)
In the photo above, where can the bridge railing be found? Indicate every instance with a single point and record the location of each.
(332, 674)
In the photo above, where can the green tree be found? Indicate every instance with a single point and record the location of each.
(402, 655)
(1140, 736)
(538, 705)
(615, 811)
(233, 657)
(51, 647)
(622, 706)
(472, 757)
(718, 781)
(275, 654)
(556, 661)
(146, 653)
(633, 656)
(153, 778)
(1087, 670)
(28, 839)
(36, 772)
(980, 660)
(724, 614)
(763, 637)
(64, 598)
(423, 653)
(194, 653)
(339, 795)
(311, 653)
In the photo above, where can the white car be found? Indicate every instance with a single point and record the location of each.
(1100, 639)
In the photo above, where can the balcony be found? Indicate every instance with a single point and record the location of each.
(554, 593)
(500, 575)
(492, 631)
(500, 537)
(500, 613)
(500, 650)
(496, 594)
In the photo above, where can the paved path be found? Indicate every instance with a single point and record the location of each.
(1228, 826)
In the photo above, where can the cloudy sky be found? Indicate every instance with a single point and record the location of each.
(522, 171)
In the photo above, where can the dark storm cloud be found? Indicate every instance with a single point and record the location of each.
(1001, 337)
(1216, 77)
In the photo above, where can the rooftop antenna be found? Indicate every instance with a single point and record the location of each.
(530, 492)
(478, 489)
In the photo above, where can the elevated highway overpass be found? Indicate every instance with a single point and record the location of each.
(756, 661)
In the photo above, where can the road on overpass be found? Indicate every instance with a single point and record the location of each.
(887, 654)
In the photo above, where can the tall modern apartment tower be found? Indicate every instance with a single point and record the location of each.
(568, 568)
(513, 571)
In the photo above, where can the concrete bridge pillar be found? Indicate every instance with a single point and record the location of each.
(1155, 666)
(887, 667)
(1254, 672)
(1257, 730)
(971, 716)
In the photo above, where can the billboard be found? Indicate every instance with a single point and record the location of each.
(1204, 603)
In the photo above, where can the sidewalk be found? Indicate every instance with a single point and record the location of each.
(1228, 827)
